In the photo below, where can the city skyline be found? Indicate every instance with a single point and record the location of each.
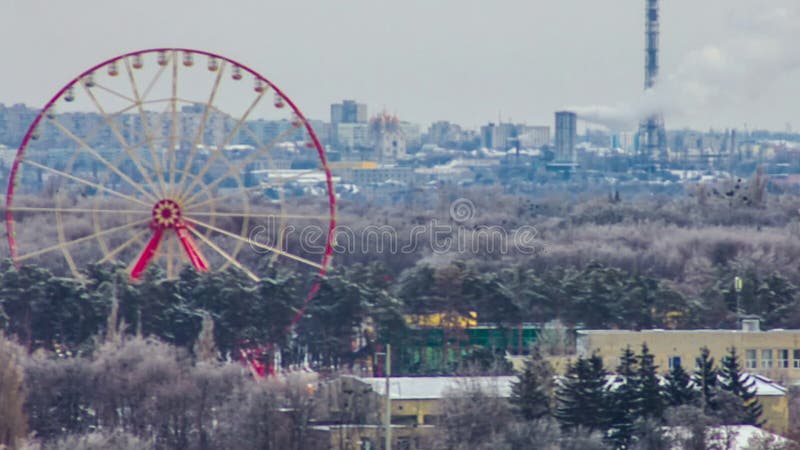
(468, 63)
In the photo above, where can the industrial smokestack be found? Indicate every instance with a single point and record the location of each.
(651, 44)
(652, 136)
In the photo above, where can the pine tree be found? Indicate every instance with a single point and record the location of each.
(582, 396)
(651, 402)
(741, 385)
(624, 400)
(530, 395)
(705, 378)
(679, 390)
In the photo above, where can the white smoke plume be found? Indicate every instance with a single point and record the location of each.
(763, 47)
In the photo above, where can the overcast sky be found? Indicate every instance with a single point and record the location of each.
(466, 61)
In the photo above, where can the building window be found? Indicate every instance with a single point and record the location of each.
(783, 358)
(403, 443)
(674, 362)
(797, 359)
(766, 359)
(751, 359)
(366, 444)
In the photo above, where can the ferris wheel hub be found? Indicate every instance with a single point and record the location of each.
(166, 214)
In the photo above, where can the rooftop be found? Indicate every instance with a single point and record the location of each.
(431, 388)
(705, 331)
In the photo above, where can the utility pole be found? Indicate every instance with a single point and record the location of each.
(387, 420)
(737, 288)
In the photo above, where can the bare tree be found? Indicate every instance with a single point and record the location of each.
(253, 418)
(116, 440)
(219, 401)
(60, 393)
(205, 349)
(12, 396)
(472, 414)
(138, 385)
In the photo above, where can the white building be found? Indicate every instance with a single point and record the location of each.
(352, 135)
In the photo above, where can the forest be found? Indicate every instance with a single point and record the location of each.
(600, 261)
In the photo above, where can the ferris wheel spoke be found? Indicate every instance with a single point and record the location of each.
(201, 129)
(88, 183)
(237, 168)
(211, 199)
(78, 210)
(92, 133)
(113, 253)
(261, 147)
(260, 187)
(257, 215)
(100, 158)
(150, 85)
(113, 92)
(63, 245)
(270, 248)
(138, 100)
(254, 136)
(223, 253)
(64, 250)
(115, 131)
(173, 140)
(218, 152)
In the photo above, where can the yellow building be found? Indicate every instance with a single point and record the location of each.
(352, 408)
(416, 400)
(774, 354)
(768, 355)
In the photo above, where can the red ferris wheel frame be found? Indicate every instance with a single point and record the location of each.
(167, 215)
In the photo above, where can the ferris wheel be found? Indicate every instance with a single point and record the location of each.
(170, 157)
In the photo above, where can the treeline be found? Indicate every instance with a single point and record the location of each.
(47, 312)
(364, 304)
(692, 245)
(590, 407)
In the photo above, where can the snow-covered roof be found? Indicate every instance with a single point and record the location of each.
(767, 387)
(683, 332)
(431, 388)
(738, 436)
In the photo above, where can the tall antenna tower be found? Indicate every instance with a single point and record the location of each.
(652, 136)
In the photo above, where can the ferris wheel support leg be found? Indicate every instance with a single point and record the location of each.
(190, 246)
(147, 255)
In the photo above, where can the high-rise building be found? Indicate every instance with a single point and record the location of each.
(348, 112)
(566, 132)
(348, 122)
(498, 136)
